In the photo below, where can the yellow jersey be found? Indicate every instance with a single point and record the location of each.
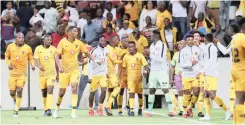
(18, 57)
(120, 52)
(161, 17)
(238, 52)
(46, 58)
(133, 65)
(113, 23)
(112, 60)
(141, 43)
(69, 52)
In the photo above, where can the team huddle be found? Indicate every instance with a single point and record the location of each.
(116, 65)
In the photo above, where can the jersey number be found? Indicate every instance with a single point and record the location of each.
(235, 54)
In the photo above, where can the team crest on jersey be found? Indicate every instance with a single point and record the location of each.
(46, 57)
(17, 57)
(133, 65)
(72, 52)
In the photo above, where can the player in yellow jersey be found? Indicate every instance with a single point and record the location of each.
(238, 71)
(69, 49)
(113, 84)
(121, 51)
(132, 64)
(44, 57)
(16, 57)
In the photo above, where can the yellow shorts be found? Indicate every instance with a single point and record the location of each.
(211, 83)
(46, 81)
(239, 80)
(232, 89)
(201, 81)
(70, 77)
(112, 81)
(96, 81)
(15, 82)
(124, 80)
(188, 83)
(135, 87)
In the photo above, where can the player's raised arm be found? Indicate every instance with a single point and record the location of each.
(224, 50)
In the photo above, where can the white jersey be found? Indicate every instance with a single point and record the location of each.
(202, 48)
(158, 56)
(95, 69)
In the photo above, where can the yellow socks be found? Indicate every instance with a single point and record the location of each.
(14, 97)
(232, 103)
(119, 102)
(59, 100)
(131, 103)
(200, 102)
(185, 102)
(113, 95)
(108, 96)
(208, 105)
(49, 102)
(100, 106)
(193, 101)
(140, 103)
(18, 102)
(74, 102)
(45, 103)
(220, 103)
(238, 116)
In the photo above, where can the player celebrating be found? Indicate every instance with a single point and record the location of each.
(16, 56)
(211, 72)
(238, 71)
(98, 74)
(159, 72)
(45, 60)
(132, 64)
(69, 49)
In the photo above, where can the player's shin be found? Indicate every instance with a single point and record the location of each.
(102, 98)
(185, 102)
(131, 101)
(220, 103)
(60, 98)
(91, 100)
(169, 102)
(120, 100)
(180, 98)
(232, 103)
(116, 90)
(44, 98)
(207, 105)
(238, 116)
(200, 102)
(50, 97)
(18, 99)
(193, 100)
(140, 101)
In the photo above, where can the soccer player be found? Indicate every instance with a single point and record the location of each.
(44, 58)
(121, 51)
(16, 56)
(98, 75)
(189, 63)
(113, 83)
(211, 72)
(69, 49)
(132, 64)
(175, 76)
(159, 73)
(238, 71)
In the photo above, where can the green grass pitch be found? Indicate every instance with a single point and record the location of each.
(159, 117)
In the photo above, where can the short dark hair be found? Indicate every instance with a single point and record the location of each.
(156, 32)
(209, 37)
(196, 31)
(101, 36)
(189, 35)
(70, 28)
(109, 26)
(154, 3)
(242, 21)
(84, 10)
(128, 15)
(234, 27)
(132, 42)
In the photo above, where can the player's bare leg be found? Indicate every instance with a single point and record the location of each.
(101, 101)
(74, 98)
(50, 99)
(91, 100)
(140, 96)
(186, 101)
(44, 98)
(131, 104)
(238, 116)
(19, 91)
(180, 97)
(58, 102)
(168, 99)
(120, 101)
(110, 90)
(194, 98)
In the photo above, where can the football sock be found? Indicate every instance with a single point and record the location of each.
(238, 116)
(207, 105)
(140, 103)
(168, 99)
(74, 98)
(151, 100)
(200, 102)
(180, 103)
(220, 103)
(14, 97)
(119, 102)
(113, 95)
(59, 100)
(18, 102)
(45, 103)
(50, 99)
(193, 101)
(100, 106)
(131, 104)
(185, 102)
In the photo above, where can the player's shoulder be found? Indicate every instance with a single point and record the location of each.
(27, 46)
(39, 47)
(11, 45)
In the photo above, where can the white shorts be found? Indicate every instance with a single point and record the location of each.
(159, 79)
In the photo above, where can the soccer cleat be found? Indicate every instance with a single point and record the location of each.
(120, 114)
(200, 114)
(131, 114)
(56, 113)
(185, 116)
(148, 114)
(73, 115)
(140, 112)
(190, 113)
(228, 115)
(15, 115)
(49, 113)
(100, 112)
(108, 112)
(91, 112)
(45, 113)
(205, 118)
(171, 114)
(180, 113)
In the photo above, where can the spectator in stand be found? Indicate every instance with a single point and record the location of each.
(82, 21)
(3, 49)
(224, 14)
(125, 31)
(232, 30)
(38, 27)
(238, 16)
(162, 14)
(90, 32)
(99, 20)
(141, 41)
(179, 12)
(131, 7)
(219, 34)
(109, 20)
(32, 39)
(126, 16)
(36, 17)
(73, 13)
(198, 6)
(213, 8)
(148, 29)
(58, 35)
(109, 8)
(109, 32)
(7, 31)
(149, 10)
(169, 37)
(242, 7)
(233, 7)
(50, 15)
(9, 9)
(202, 22)
(24, 13)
